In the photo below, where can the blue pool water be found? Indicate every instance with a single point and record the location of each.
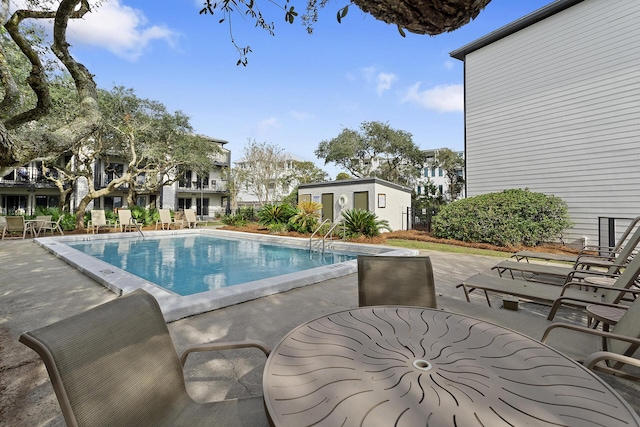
(188, 265)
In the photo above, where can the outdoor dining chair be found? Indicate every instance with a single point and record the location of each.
(16, 224)
(390, 280)
(52, 226)
(116, 365)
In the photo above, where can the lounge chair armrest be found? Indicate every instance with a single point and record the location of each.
(596, 357)
(213, 346)
(586, 330)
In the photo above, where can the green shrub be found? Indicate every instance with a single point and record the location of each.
(306, 218)
(277, 228)
(234, 220)
(247, 212)
(360, 222)
(275, 214)
(509, 218)
(144, 216)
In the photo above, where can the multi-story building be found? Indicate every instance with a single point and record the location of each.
(278, 188)
(433, 178)
(26, 188)
(208, 194)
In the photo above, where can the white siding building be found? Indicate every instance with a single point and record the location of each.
(552, 103)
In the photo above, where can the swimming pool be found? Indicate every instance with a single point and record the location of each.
(175, 306)
(192, 264)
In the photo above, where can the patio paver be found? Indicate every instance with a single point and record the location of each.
(36, 289)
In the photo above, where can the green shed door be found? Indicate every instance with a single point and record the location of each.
(327, 206)
(361, 200)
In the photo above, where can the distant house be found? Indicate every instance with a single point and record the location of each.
(280, 187)
(387, 200)
(552, 104)
(432, 181)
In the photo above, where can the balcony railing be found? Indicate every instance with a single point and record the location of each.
(214, 186)
(27, 176)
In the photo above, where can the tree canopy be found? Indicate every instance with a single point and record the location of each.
(19, 40)
(375, 150)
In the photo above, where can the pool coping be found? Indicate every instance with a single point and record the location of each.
(176, 307)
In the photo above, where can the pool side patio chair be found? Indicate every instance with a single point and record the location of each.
(116, 365)
(38, 222)
(621, 342)
(166, 220)
(551, 273)
(592, 362)
(604, 252)
(52, 226)
(573, 293)
(390, 280)
(191, 219)
(17, 224)
(125, 220)
(98, 220)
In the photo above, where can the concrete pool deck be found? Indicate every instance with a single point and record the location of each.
(37, 289)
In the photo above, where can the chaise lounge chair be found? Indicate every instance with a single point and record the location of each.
(166, 220)
(98, 220)
(190, 218)
(609, 252)
(622, 342)
(572, 293)
(125, 220)
(116, 365)
(390, 280)
(551, 273)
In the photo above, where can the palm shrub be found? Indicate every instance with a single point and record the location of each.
(306, 218)
(508, 218)
(143, 216)
(275, 214)
(360, 222)
(236, 220)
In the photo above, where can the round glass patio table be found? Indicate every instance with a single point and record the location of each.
(411, 366)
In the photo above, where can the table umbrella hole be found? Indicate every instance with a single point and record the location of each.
(422, 365)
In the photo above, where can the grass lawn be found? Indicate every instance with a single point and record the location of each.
(441, 247)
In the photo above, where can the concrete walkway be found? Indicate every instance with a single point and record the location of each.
(37, 289)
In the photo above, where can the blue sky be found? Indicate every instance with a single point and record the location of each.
(297, 89)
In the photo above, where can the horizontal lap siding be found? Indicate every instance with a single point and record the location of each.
(555, 108)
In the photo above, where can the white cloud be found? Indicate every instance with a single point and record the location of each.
(384, 81)
(449, 64)
(264, 126)
(444, 98)
(298, 115)
(120, 29)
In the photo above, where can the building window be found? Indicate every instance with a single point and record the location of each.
(440, 189)
(112, 203)
(433, 172)
(439, 171)
(184, 204)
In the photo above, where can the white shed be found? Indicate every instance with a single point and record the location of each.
(387, 200)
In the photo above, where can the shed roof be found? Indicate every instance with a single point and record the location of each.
(343, 182)
(513, 27)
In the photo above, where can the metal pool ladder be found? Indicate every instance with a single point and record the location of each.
(137, 226)
(321, 240)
